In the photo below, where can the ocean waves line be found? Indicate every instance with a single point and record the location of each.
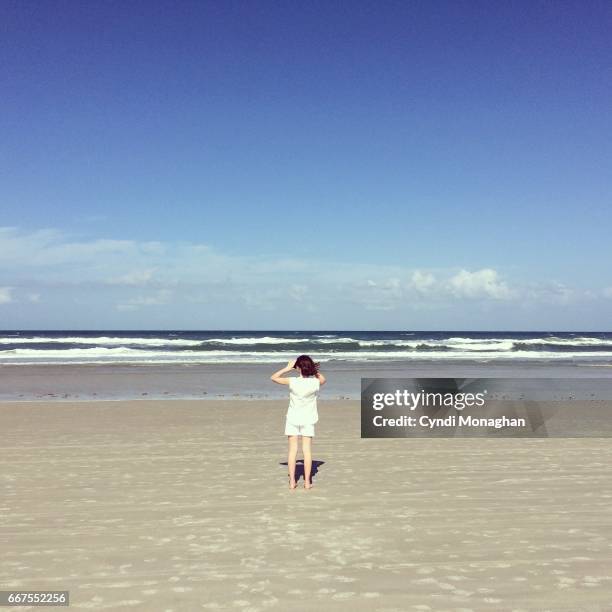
(225, 347)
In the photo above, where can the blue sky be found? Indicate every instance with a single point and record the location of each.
(418, 165)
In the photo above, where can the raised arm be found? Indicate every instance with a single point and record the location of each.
(277, 377)
(321, 378)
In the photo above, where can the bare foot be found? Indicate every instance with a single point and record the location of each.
(292, 484)
(308, 485)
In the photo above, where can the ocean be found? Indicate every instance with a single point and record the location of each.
(261, 347)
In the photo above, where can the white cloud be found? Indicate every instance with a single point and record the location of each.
(130, 275)
(480, 284)
(554, 292)
(50, 247)
(386, 293)
(6, 295)
(133, 278)
(422, 282)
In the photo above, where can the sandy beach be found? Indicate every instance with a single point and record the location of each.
(184, 505)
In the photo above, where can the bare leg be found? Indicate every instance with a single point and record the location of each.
(307, 450)
(293, 448)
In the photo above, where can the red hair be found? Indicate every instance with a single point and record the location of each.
(306, 366)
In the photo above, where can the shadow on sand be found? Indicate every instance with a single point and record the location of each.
(299, 468)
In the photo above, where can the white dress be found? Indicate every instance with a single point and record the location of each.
(302, 413)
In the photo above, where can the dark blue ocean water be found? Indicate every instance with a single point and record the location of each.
(143, 347)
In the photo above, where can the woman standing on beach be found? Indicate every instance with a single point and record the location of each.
(302, 412)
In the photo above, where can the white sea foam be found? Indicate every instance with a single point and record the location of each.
(102, 351)
(100, 340)
(242, 349)
(452, 342)
(575, 341)
(126, 355)
(248, 340)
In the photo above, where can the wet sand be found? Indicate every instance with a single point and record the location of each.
(184, 505)
(250, 381)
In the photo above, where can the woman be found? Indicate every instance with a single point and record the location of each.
(302, 412)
